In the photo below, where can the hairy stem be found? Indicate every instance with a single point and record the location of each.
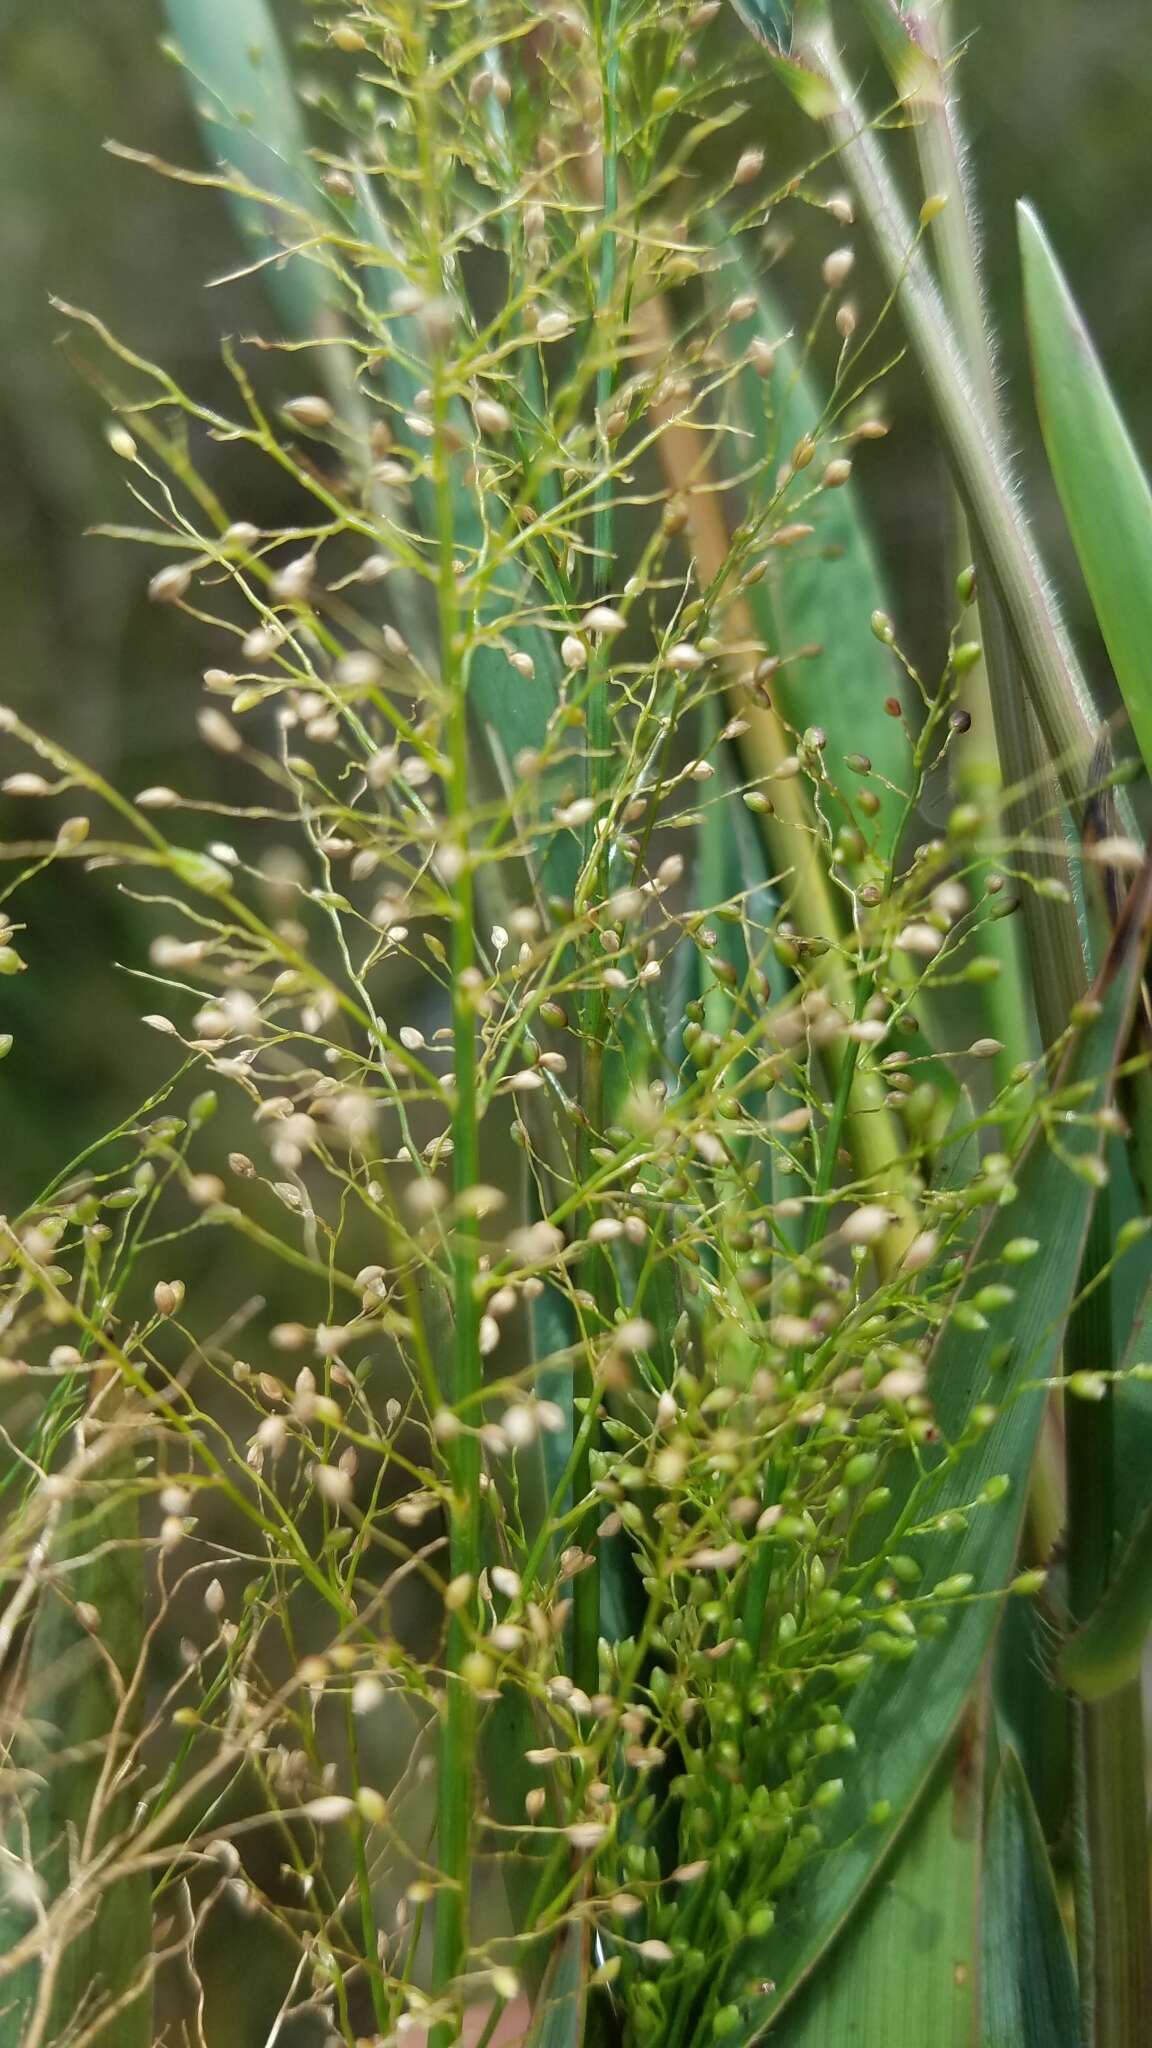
(1059, 694)
(1006, 743)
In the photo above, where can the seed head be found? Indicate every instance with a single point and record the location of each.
(920, 938)
(553, 326)
(748, 167)
(217, 731)
(169, 585)
(490, 416)
(292, 583)
(309, 411)
(603, 619)
(684, 658)
(332, 1484)
(837, 268)
(866, 1225)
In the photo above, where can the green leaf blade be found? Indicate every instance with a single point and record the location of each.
(1106, 1654)
(770, 21)
(907, 1969)
(1028, 1984)
(1102, 487)
(822, 593)
(558, 2019)
(249, 112)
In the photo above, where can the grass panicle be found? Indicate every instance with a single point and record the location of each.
(517, 1449)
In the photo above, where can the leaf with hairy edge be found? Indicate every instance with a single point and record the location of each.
(769, 20)
(1103, 489)
(823, 590)
(907, 1968)
(73, 1815)
(558, 2021)
(774, 22)
(1028, 1984)
(905, 1712)
(900, 38)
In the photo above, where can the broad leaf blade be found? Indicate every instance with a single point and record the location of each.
(1029, 1988)
(907, 1969)
(1103, 489)
(905, 1713)
(70, 1811)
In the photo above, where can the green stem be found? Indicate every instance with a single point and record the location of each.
(1057, 688)
(598, 775)
(1005, 743)
(465, 1378)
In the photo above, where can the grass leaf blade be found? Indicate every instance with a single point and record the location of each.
(907, 1967)
(1029, 1987)
(1106, 1653)
(560, 2009)
(823, 592)
(1103, 489)
(249, 112)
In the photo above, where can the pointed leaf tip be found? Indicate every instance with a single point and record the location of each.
(770, 21)
(1102, 487)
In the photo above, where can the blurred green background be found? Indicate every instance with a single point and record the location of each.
(1060, 108)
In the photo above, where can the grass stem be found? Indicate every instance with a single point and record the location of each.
(598, 775)
(1059, 694)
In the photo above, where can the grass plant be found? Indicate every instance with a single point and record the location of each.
(598, 1586)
